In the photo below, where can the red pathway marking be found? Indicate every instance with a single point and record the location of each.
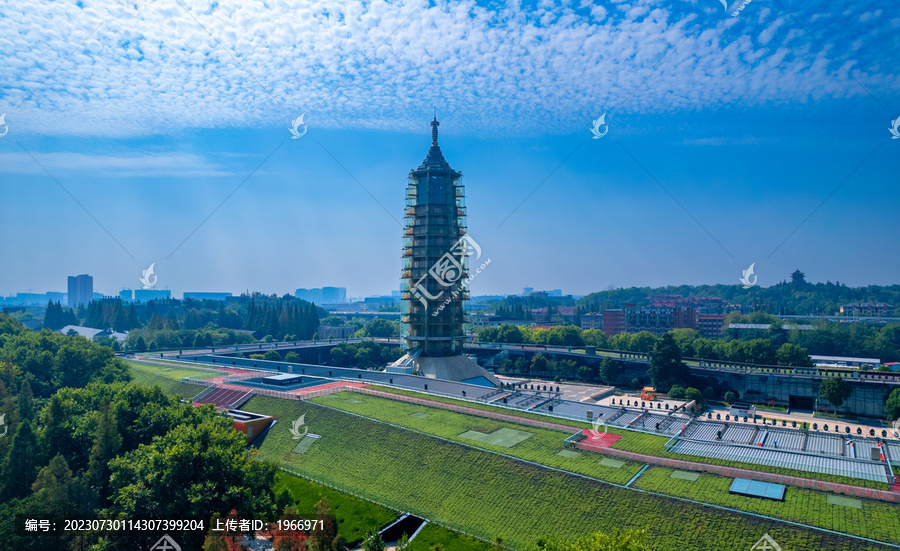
(595, 442)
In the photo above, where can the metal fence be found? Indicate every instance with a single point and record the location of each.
(732, 472)
(273, 393)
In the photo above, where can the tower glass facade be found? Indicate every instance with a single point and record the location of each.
(434, 279)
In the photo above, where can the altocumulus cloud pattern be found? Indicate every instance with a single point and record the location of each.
(108, 68)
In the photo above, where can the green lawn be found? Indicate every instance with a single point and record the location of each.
(169, 386)
(648, 444)
(355, 516)
(432, 534)
(486, 494)
(173, 371)
(530, 443)
(876, 519)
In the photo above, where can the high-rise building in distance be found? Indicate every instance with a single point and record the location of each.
(81, 290)
(324, 295)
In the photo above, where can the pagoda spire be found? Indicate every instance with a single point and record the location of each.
(434, 130)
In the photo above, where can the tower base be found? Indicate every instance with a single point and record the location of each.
(457, 368)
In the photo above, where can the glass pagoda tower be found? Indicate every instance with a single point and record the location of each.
(435, 220)
(434, 279)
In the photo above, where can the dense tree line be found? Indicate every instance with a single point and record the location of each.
(142, 340)
(56, 317)
(47, 360)
(773, 346)
(284, 320)
(83, 441)
(787, 297)
(364, 355)
(564, 335)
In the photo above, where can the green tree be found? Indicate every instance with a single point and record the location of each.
(539, 364)
(292, 357)
(692, 393)
(685, 338)
(272, 356)
(595, 337)
(731, 397)
(835, 390)
(666, 367)
(892, 407)
(373, 542)
(793, 355)
(676, 392)
(107, 443)
(54, 487)
(380, 328)
(163, 480)
(20, 467)
(645, 341)
(141, 344)
(26, 401)
(567, 335)
(610, 370)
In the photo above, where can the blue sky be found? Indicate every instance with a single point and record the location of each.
(158, 132)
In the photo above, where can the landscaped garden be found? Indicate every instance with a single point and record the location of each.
(540, 445)
(487, 494)
(644, 443)
(874, 519)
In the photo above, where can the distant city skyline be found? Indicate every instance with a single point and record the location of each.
(725, 141)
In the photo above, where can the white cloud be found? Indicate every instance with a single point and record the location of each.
(500, 68)
(157, 165)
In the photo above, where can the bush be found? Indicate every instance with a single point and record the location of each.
(709, 393)
(292, 357)
(693, 394)
(731, 396)
(676, 392)
(272, 356)
(893, 404)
